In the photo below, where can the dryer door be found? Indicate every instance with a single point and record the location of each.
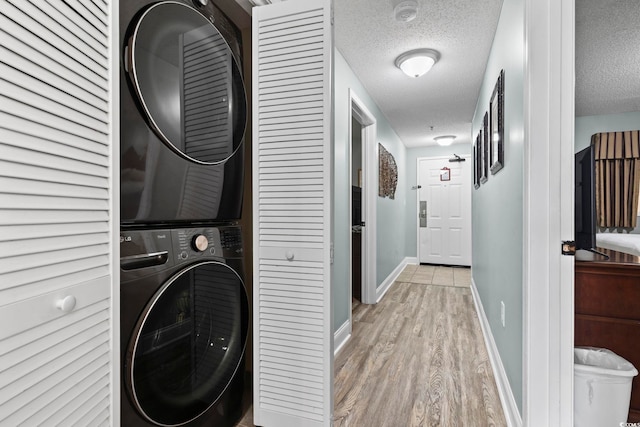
(188, 82)
(188, 344)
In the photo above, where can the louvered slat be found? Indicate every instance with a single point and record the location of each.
(293, 356)
(43, 157)
(56, 210)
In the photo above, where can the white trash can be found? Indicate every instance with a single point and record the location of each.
(602, 387)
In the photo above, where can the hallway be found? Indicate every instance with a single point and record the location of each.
(418, 357)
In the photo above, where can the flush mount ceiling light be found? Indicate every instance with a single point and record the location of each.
(444, 140)
(417, 62)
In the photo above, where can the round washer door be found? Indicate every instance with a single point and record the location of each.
(188, 344)
(188, 82)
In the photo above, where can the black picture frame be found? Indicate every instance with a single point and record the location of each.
(476, 163)
(484, 148)
(496, 131)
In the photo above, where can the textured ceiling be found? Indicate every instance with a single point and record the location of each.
(367, 35)
(607, 56)
(370, 39)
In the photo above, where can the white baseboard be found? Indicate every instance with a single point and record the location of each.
(411, 260)
(386, 284)
(341, 337)
(509, 406)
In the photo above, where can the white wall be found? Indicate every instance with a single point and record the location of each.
(497, 219)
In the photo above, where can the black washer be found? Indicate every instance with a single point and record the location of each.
(183, 327)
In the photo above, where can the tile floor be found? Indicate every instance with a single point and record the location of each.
(436, 275)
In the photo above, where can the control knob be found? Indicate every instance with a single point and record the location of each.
(200, 243)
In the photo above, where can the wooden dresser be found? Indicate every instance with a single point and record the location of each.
(607, 310)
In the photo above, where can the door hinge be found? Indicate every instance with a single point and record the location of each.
(569, 247)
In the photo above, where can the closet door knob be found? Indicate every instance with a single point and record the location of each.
(290, 255)
(66, 304)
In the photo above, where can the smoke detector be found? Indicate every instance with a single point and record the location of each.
(406, 10)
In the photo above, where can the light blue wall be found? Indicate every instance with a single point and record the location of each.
(411, 220)
(498, 204)
(390, 224)
(589, 125)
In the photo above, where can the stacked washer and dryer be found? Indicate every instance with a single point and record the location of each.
(184, 308)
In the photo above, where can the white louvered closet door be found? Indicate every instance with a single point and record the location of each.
(293, 339)
(57, 212)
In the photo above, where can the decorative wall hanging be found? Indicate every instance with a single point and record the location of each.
(445, 174)
(497, 125)
(484, 149)
(388, 179)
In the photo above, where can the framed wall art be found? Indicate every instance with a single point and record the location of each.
(484, 148)
(476, 162)
(496, 131)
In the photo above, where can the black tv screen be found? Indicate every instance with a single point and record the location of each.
(585, 199)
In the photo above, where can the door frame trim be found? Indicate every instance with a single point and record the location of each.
(359, 111)
(417, 205)
(548, 291)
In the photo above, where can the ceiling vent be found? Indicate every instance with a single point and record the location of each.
(406, 10)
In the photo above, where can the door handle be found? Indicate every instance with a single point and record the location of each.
(145, 260)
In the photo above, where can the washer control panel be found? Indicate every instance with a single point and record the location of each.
(146, 250)
(193, 243)
(141, 250)
(231, 241)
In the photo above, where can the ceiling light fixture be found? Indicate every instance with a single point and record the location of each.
(417, 62)
(444, 140)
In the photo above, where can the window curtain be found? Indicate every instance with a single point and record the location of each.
(617, 178)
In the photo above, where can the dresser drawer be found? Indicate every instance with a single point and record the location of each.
(613, 291)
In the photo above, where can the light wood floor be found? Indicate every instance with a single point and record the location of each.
(417, 358)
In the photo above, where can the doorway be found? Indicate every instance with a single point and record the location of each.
(356, 210)
(363, 184)
(444, 210)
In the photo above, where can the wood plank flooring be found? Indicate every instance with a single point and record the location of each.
(417, 358)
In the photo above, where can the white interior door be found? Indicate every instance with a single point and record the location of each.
(444, 211)
(59, 220)
(293, 337)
